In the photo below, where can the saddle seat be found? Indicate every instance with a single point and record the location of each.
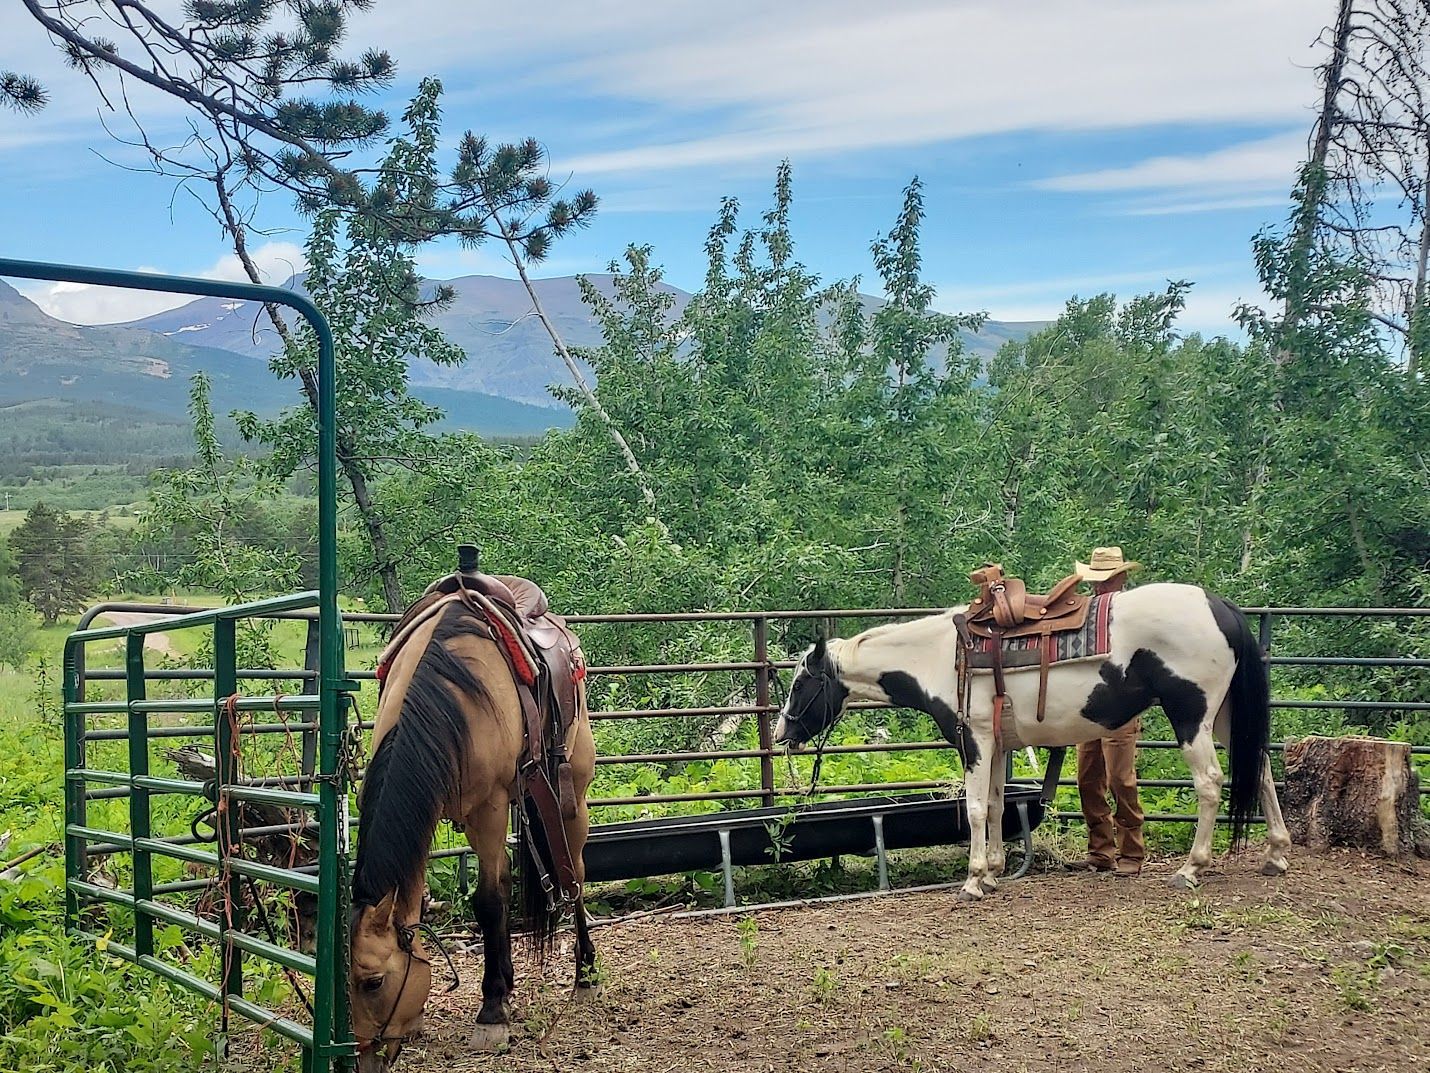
(546, 633)
(1004, 608)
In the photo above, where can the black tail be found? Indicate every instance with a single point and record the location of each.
(1250, 731)
(537, 920)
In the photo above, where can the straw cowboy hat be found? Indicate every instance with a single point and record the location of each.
(1106, 563)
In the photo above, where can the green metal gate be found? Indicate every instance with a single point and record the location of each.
(326, 1039)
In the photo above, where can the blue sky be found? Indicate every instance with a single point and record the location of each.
(1067, 146)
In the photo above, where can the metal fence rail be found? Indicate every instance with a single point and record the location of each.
(762, 670)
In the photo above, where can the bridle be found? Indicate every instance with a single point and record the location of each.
(406, 942)
(826, 682)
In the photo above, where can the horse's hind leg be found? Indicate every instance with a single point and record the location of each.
(1278, 838)
(486, 830)
(583, 763)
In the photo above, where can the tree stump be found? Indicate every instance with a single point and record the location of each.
(1360, 792)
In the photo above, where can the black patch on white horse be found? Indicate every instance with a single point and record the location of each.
(1147, 679)
(904, 691)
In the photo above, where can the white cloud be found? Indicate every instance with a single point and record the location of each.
(798, 81)
(79, 303)
(1060, 288)
(1208, 309)
(750, 82)
(1263, 164)
(1183, 207)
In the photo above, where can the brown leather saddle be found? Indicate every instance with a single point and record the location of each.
(547, 665)
(1004, 609)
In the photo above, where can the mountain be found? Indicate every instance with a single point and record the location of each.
(131, 368)
(508, 351)
(66, 374)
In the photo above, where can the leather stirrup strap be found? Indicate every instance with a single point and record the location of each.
(548, 811)
(1000, 692)
(1052, 773)
(1045, 659)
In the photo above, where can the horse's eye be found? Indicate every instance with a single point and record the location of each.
(372, 983)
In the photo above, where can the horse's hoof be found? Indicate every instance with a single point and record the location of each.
(966, 895)
(1273, 868)
(488, 1039)
(1181, 882)
(989, 884)
(588, 993)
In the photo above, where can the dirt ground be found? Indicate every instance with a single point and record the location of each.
(1327, 968)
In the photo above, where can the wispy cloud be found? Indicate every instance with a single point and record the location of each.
(1208, 308)
(1182, 207)
(80, 303)
(1266, 163)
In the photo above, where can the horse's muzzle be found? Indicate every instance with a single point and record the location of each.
(784, 732)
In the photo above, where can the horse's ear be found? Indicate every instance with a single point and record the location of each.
(378, 919)
(818, 653)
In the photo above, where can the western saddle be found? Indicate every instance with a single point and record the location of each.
(1003, 610)
(547, 666)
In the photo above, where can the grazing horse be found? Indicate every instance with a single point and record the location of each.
(447, 743)
(1179, 646)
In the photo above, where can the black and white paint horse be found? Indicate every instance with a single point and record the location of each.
(1192, 652)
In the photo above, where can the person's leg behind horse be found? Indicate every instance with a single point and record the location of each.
(1092, 793)
(1119, 751)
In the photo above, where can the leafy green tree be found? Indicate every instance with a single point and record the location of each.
(362, 275)
(10, 592)
(19, 636)
(206, 506)
(55, 568)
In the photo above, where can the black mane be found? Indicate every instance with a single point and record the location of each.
(415, 769)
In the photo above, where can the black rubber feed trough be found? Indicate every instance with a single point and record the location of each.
(865, 825)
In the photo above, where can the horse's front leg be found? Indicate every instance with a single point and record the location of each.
(997, 849)
(976, 783)
(486, 830)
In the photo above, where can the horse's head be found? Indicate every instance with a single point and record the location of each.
(389, 977)
(816, 698)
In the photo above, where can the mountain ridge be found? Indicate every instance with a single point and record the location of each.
(508, 351)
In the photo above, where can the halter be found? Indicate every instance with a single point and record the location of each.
(406, 937)
(825, 681)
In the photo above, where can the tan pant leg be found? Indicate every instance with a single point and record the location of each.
(1092, 791)
(1119, 752)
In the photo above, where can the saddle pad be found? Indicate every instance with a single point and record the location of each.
(1091, 641)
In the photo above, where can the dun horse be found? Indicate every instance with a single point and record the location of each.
(452, 740)
(1174, 645)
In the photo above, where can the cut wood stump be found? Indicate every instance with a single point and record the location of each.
(1360, 792)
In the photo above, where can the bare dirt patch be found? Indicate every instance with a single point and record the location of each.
(1327, 968)
(154, 642)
